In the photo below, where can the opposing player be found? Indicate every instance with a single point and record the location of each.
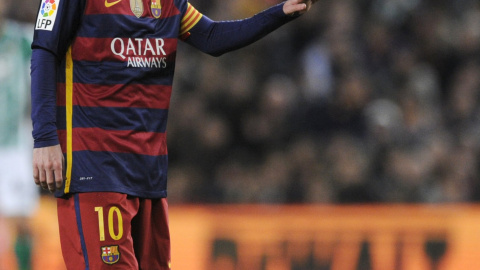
(102, 75)
(18, 197)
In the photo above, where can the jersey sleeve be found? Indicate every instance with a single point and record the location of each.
(55, 28)
(219, 37)
(43, 98)
(56, 25)
(190, 18)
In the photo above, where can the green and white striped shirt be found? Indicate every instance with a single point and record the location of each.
(15, 53)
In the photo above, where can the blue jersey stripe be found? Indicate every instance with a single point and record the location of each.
(99, 171)
(114, 118)
(117, 73)
(61, 72)
(61, 118)
(128, 26)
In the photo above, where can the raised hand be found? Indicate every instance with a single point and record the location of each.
(297, 7)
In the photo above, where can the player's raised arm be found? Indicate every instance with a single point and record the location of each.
(219, 37)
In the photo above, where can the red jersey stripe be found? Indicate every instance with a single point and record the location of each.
(118, 141)
(119, 49)
(61, 94)
(123, 7)
(108, 7)
(120, 95)
(129, 95)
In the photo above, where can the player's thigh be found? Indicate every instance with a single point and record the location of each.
(151, 235)
(95, 230)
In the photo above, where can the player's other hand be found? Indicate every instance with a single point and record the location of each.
(48, 167)
(297, 7)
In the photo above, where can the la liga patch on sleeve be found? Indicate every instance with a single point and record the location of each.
(47, 15)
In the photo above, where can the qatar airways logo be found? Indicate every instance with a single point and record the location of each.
(140, 52)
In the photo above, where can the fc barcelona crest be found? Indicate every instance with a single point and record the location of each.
(156, 8)
(137, 7)
(110, 254)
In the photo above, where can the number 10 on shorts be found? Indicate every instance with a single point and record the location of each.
(111, 229)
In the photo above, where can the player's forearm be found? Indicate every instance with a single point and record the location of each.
(217, 38)
(43, 91)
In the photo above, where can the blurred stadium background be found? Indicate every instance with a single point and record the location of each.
(350, 135)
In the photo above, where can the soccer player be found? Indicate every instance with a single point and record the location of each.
(102, 75)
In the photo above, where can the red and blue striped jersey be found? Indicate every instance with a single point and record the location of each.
(114, 81)
(102, 73)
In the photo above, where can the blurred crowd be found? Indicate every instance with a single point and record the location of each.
(358, 101)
